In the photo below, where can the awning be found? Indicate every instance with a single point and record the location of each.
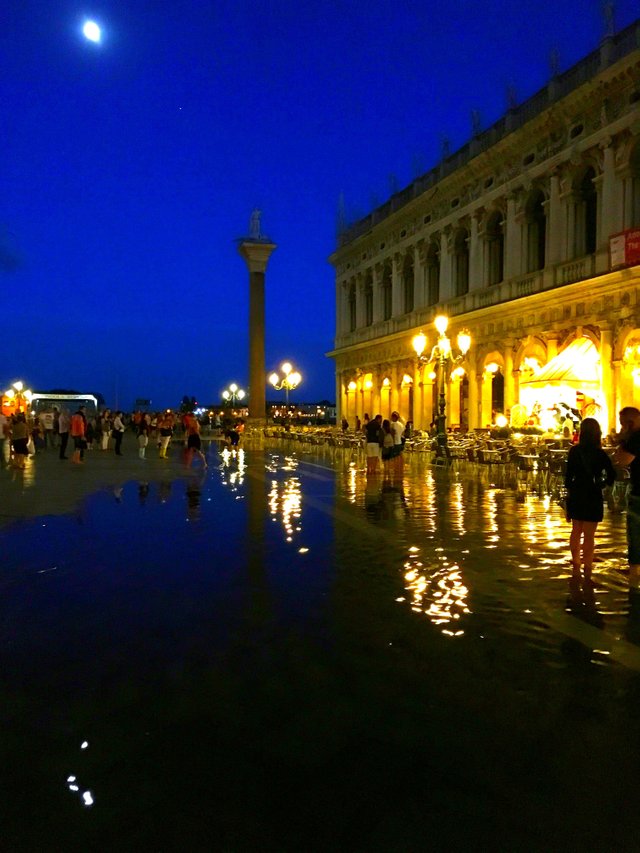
(577, 366)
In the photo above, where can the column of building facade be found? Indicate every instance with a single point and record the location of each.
(607, 376)
(397, 301)
(378, 299)
(375, 397)
(555, 238)
(609, 219)
(509, 385)
(361, 313)
(446, 277)
(419, 266)
(476, 266)
(513, 239)
(418, 413)
(473, 397)
(341, 401)
(618, 402)
(395, 390)
(568, 201)
(341, 308)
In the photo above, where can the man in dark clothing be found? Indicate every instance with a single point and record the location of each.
(628, 456)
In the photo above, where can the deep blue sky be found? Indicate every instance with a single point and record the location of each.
(128, 169)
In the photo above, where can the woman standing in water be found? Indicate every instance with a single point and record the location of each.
(589, 470)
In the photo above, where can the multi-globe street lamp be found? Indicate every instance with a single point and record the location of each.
(232, 394)
(289, 380)
(16, 399)
(444, 357)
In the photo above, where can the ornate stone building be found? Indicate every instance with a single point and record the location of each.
(511, 238)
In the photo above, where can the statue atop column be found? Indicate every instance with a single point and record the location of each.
(254, 224)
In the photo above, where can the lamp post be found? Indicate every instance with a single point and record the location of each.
(233, 393)
(289, 380)
(442, 354)
(16, 399)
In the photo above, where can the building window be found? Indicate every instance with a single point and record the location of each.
(586, 215)
(495, 248)
(387, 291)
(635, 187)
(536, 232)
(352, 308)
(461, 262)
(368, 302)
(433, 273)
(407, 284)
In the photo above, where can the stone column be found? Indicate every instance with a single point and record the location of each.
(446, 278)
(256, 255)
(609, 219)
(607, 378)
(360, 306)
(340, 403)
(617, 391)
(417, 396)
(419, 267)
(512, 241)
(473, 397)
(476, 276)
(509, 387)
(397, 308)
(378, 308)
(555, 232)
(394, 396)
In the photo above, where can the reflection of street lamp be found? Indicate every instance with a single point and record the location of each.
(233, 393)
(444, 356)
(290, 380)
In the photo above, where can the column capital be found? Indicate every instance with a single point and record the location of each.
(256, 254)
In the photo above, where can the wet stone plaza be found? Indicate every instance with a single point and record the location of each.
(277, 654)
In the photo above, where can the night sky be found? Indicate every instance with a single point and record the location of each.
(128, 168)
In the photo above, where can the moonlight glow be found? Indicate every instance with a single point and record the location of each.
(91, 31)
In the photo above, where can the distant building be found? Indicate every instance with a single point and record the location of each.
(514, 238)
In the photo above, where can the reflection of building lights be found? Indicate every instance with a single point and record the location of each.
(439, 593)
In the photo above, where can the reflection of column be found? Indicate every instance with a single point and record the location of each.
(473, 398)
(607, 385)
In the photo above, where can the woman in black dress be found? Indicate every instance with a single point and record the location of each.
(589, 470)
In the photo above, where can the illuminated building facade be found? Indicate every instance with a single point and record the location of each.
(529, 238)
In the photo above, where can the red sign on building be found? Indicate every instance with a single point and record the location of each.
(624, 248)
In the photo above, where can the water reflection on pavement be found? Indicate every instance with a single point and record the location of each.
(281, 654)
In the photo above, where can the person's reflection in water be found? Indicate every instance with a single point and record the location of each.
(372, 499)
(117, 493)
(393, 500)
(143, 491)
(581, 602)
(164, 491)
(194, 495)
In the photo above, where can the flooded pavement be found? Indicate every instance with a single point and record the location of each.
(277, 654)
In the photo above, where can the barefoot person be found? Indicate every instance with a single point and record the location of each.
(589, 470)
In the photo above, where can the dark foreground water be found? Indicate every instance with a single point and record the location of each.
(277, 655)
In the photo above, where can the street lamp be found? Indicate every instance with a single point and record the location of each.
(233, 393)
(16, 399)
(442, 353)
(289, 380)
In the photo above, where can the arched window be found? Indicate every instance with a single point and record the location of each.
(536, 232)
(433, 273)
(407, 284)
(352, 308)
(586, 214)
(387, 305)
(461, 261)
(635, 187)
(495, 248)
(368, 300)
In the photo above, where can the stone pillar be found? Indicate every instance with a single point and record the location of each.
(256, 255)
(417, 396)
(509, 388)
(618, 402)
(609, 219)
(446, 277)
(360, 306)
(555, 241)
(375, 393)
(607, 378)
(476, 277)
(395, 393)
(419, 262)
(397, 296)
(340, 403)
(473, 398)
(552, 348)
(512, 241)
(378, 306)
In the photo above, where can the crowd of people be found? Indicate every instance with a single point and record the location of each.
(57, 430)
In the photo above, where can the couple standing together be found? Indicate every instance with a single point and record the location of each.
(589, 470)
(385, 441)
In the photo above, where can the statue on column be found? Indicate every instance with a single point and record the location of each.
(254, 224)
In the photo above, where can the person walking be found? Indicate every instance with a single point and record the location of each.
(19, 440)
(166, 423)
(627, 455)
(143, 428)
(589, 470)
(194, 444)
(118, 432)
(64, 423)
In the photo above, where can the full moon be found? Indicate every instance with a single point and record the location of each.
(91, 31)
